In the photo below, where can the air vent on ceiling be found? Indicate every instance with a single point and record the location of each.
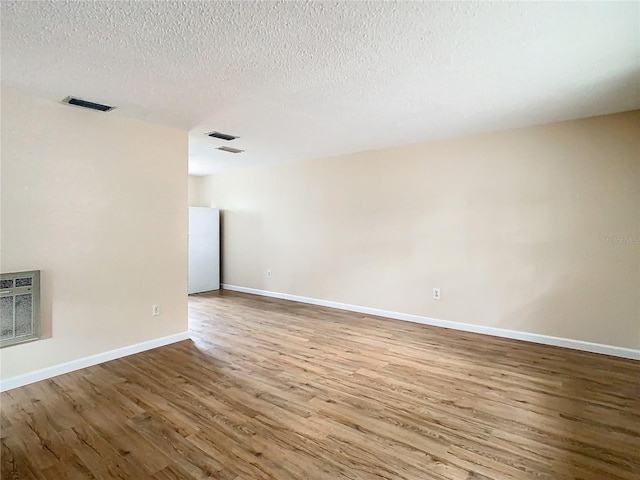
(222, 136)
(77, 102)
(230, 150)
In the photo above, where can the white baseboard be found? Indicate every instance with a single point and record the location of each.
(465, 327)
(20, 380)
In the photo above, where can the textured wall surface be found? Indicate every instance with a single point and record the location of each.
(535, 230)
(300, 80)
(98, 203)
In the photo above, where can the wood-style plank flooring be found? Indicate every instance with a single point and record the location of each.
(270, 389)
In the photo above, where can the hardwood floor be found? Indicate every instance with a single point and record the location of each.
(270, 389)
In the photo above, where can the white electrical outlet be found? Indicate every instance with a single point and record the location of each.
(269, 274)
(155, 310)
(436, 294)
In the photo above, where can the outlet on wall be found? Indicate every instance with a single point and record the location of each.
(436, 294)
(155, 310)
(269, 274)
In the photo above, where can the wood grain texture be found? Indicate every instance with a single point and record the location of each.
(270, 389)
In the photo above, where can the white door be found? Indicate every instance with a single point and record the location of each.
(204, 249)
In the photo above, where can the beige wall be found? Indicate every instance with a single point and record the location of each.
(534, 229)
(98, 203)
(197, 195)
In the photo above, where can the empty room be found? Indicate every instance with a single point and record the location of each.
(320, 240)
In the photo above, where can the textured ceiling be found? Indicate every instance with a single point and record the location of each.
(300, 80)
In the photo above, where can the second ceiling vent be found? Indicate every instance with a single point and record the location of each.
(230, 150)
(222, 136)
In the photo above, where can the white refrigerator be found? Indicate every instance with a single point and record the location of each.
(204, 249)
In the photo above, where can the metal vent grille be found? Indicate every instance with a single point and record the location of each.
(77, 102)
(222, 136)
(19, 307)
(230, 150)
